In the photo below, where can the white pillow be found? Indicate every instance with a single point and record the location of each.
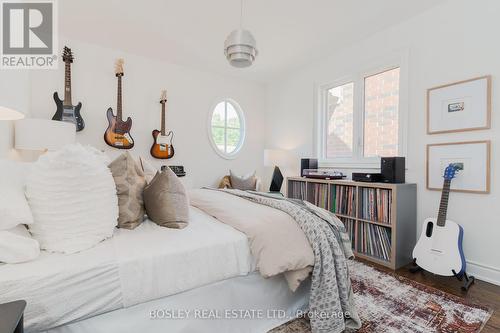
(14, 208)
(16, 246)
(73, 199)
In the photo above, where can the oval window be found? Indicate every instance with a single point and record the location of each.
(227, 128)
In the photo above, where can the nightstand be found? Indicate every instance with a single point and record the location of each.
(11, 317)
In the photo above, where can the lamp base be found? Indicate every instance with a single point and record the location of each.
(276, 181)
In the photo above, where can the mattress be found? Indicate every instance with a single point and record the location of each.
(133, 267)
(243, 304)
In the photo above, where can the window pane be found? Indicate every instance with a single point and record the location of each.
(218, 136)
(381, 114)
(340, 106)
(232, 117)
(233, 138)
(227, 128)
(218, 115)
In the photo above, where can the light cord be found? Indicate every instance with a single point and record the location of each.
(241, 14)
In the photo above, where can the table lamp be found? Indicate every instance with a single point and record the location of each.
(276, 158)
(6, 129)
(43, 134)
(9, 114)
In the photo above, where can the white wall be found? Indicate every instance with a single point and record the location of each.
(452, 42)
(15, 94)
(191, 94)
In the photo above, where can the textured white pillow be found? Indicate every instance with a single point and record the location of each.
(73, 199)
(14, 208)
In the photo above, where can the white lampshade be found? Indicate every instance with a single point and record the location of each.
(9, 114)
(240, 48)
(43, 134)
(277, 157)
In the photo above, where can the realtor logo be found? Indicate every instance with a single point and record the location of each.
(28, 34)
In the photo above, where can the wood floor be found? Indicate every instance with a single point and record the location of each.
(480, 292)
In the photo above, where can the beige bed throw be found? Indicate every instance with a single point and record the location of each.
(269, 232)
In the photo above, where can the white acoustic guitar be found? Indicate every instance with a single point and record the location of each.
(439, 248)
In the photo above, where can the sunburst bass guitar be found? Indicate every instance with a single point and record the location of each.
(117, 134)
(162, 147)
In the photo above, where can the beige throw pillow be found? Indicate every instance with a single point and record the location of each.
(166, 200)
(148, 169)
(246, 182)
(130, 183)
(225, 182)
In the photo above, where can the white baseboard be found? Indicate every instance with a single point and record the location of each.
(484, 272)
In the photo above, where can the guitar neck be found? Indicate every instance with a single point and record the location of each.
(163, 118)
(67, 84)
(443, 206)
(119, 99)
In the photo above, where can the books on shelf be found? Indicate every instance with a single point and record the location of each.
(375, 215)
(374, 240)
(297, 190)
(343, 199)
(376, 205)
(319, 195)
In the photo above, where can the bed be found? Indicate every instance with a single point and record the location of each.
(138, 280)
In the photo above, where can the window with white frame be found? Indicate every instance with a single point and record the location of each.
(227, 128)
(359, 119)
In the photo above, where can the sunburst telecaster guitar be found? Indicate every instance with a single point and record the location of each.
(117, 134)
(162, 145)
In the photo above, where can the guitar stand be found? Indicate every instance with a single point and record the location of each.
(415, 268)
(468, 280)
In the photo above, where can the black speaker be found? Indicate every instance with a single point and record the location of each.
(308, 163)
(393, 169)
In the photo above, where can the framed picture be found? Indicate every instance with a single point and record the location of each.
(459, 106)
(474, 157)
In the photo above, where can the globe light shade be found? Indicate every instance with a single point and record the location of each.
(9, 114)
(240, 48)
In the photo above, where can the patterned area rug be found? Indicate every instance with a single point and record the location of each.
(392, 304)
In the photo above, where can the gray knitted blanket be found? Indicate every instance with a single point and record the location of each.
(331, 305)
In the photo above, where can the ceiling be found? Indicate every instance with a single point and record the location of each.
(289, 33)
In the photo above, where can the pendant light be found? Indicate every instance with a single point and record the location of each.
(240, 47)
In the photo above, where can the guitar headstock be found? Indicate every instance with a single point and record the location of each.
(451, 170)
(67, 55)
(163, 97)
(119, 67)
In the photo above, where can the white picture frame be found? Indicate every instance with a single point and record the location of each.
(475, 157)
(460, 106)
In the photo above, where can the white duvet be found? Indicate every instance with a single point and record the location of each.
(133, 267)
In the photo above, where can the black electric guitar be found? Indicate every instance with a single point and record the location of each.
(66, 111)
(162, 141)
(117, 134)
